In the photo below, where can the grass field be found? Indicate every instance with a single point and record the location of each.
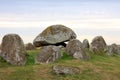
(98, 68)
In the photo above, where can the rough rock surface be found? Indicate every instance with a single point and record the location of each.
(75, 49)
(54, 34)
(0, 52)
(48, 54)
(13, 50)
(98, 45)
(29, 46)
(0, 46)
(64, 70)
(86, 44)
(0, 49)
(112, 49)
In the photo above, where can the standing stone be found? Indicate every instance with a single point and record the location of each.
(75, 49)
(119, 46)
(98, 45)
(48, 54)
(29, 46)
(118, 49)
(0, 52)
(85, 44)
(0, 46)
(112, 49)
(13, 50)
(0, 49)
(54, 35)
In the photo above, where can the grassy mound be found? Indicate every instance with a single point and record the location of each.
(98, 68)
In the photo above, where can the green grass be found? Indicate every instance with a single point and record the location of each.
(97, 68)
(30, 56)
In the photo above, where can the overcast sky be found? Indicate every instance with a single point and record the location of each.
(88, 18)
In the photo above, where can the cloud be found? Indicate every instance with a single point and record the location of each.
(81, 23)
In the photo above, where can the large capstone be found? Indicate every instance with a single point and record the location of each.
(13, 50)
(54, 34)
(98, 45)
(48, 54)
(75, 48)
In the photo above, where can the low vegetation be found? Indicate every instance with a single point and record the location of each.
(97, 68)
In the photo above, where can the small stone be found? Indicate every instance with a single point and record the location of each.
(29, 46)
(65, 70)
